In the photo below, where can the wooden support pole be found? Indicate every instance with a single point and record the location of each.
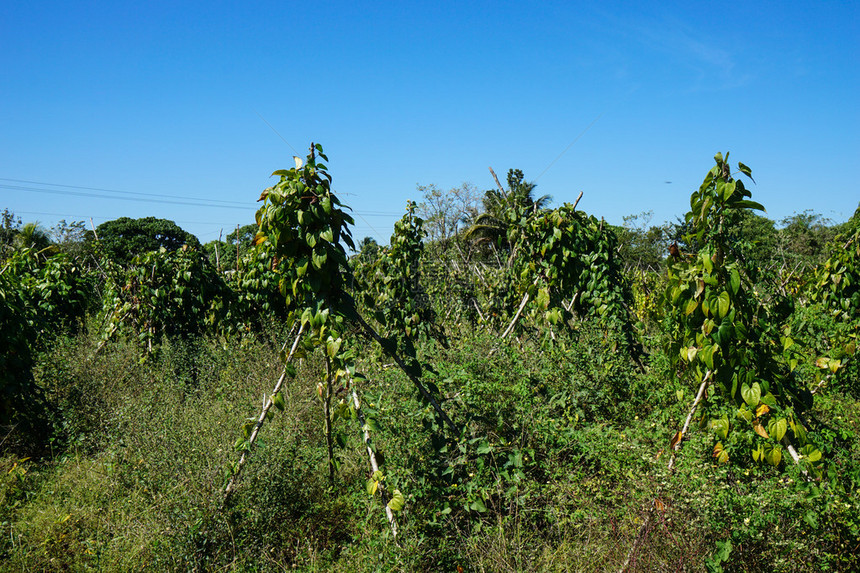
(502, 189)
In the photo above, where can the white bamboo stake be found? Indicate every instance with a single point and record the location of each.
(373, 464)
(261, 420)
(705, 381)
(516, 316)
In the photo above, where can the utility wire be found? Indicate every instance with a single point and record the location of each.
(137, 199)
(238, 203)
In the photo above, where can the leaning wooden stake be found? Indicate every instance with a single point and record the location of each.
(679, 437)
(402, 365)
(516, 316)
(261, 420)
(373, 463)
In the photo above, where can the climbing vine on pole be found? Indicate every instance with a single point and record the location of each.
(717, 323)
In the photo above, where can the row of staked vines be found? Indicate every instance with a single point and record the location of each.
(164, 293)
(722, 335)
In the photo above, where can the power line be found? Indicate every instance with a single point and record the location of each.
(237, 203)
(137, 199)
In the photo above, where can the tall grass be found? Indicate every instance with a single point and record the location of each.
(562, 446)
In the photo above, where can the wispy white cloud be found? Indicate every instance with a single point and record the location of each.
(700, 58)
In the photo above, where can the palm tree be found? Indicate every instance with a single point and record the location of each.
(503, 209)
(32, 236)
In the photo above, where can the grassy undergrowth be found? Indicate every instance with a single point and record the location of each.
(562, 467)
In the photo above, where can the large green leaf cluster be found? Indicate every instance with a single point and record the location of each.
(304, 222)
(719, 327)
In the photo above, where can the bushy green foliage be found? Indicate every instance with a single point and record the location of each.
(164, 293)
(558, 460)
(719, 330)
(389, 282)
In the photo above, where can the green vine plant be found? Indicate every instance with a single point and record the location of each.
(163, 293)
(391, 289)
(563, 267)
(835, 291)
(307, 229)
(721, 335)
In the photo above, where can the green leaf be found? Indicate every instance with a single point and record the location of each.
(735, 281)
(779, 428)
(705, 257)
(721, 426)
(290, 369)
(691, 353)
(724, 304)
(478, 505)
(747, 204)
(333, 347)
(751, 394)
(397, 501)
(278, 401)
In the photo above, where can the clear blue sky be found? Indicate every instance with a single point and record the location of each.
(166, 98)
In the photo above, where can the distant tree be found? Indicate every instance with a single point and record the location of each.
(447, 213)
(71, 238)
(9, 225)
(368, 248)
(803, 238)
(124, 238)
(244, 238)
(642, 245)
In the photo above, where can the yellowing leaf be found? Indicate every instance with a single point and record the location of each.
(774, 456)
(759, 429)
(762, 410)
(691, 306)
(780, 428)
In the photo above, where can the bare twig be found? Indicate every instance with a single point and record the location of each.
(575, 203)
